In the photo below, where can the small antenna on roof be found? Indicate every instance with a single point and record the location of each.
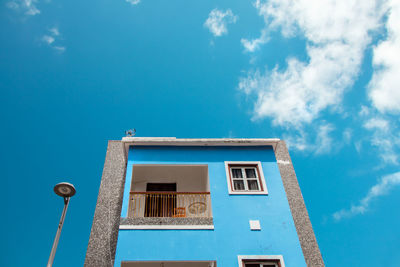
(130, 133)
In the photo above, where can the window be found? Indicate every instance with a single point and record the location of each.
(261, 261)
(245, 178)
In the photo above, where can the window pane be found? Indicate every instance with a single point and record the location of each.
(252, 184)
(237, 173)
(252, 265)
(238, 184)
(251, 173)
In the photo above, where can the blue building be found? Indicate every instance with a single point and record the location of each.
(200, 203)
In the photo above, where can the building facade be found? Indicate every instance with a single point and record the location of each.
(200, 203)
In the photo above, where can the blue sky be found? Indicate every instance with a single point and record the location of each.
(323, 75)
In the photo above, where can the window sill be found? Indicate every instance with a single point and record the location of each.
(162, 222)
(166, 227)
(248, 193)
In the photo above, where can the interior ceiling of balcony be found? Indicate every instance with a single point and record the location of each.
(167, 264)
(189, 178)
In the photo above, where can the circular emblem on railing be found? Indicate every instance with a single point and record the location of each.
(197, 208)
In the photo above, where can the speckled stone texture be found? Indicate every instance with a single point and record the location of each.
(302, 222)
(166, 221)
(104, 234)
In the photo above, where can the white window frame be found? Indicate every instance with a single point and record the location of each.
(243, 164)
(242, 258)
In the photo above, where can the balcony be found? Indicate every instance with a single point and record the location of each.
(169, 195)
(170, 204)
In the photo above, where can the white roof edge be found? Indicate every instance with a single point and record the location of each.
(173, 141)
(200, 141)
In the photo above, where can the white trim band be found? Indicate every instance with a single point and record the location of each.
(166, 227)
(202, 141)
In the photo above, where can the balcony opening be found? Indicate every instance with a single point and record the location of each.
(170, 191)
(162, 204)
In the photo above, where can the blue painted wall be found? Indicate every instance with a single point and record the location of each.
(231, 213)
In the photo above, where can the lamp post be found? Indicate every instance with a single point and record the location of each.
(65, 190)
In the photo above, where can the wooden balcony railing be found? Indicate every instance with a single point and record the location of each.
(170, 204)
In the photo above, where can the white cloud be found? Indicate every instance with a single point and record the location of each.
(218, 20)
(53, 38)
(12, 5)
(386, 148)
(386, 145)
(377, 123)
(384, 138)
(381, 188)
(347, 135)
(321, 143)
(297, 141)
(48, 39)
(54, 31)
(324, 140)
(60, 49)
(364, 111)
(31, 8)
(384, 89)
(385, 84)
(336, 38)
(253, 45)
(26, 6)
(133, 2)
(358, 146)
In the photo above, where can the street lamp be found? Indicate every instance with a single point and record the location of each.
(65, 190)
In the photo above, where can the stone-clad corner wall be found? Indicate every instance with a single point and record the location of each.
(104, 234)
(302, 222)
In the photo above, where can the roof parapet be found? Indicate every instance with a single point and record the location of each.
(173, 141)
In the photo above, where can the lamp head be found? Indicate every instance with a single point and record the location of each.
(64, 189)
